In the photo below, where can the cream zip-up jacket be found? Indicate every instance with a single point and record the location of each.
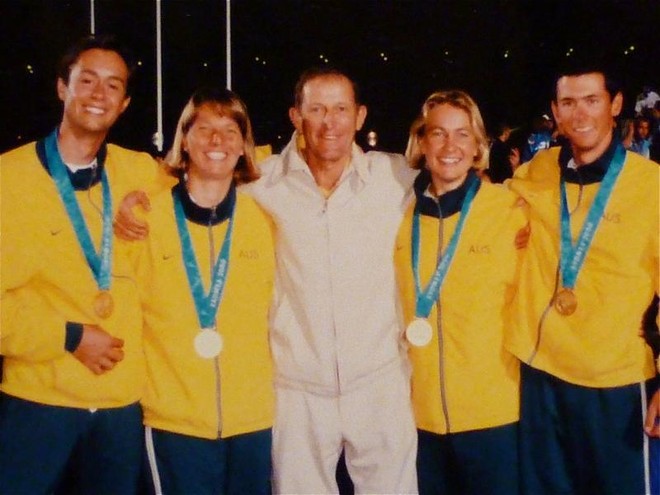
(335, 321)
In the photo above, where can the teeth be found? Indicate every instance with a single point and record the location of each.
(216, 155)
(95, 110)
(450, 160)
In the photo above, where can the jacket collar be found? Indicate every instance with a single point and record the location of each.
(83, 179)
(448, 203)
(201, 215)
(292, 162)
(589, 173)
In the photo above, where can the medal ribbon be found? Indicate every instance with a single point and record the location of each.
(424, 299)
(572, 256)
(100, 263)
(206, 305)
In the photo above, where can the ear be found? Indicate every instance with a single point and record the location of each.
(553, 107)
(296, 118)
(61, 89)
(617, 104)
(125, 104)
(421, 144)
(361, 117)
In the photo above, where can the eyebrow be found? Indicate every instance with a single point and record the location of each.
(581, 97)
(96, 74)
(434, 127)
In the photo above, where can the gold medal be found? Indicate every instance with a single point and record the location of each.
(103, 304)
(565, 302)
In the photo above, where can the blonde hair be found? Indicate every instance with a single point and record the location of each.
(457, 99)
(225, 103)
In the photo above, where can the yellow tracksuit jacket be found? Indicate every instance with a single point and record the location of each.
(464, 379)
(46, 282)
(187, 394)
(600, 345)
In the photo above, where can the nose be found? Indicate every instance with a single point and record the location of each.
(329, 118)
(580, 109)
(216, 138)
(450, 141)
(98, 91)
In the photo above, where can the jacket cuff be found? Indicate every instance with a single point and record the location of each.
(74, 332)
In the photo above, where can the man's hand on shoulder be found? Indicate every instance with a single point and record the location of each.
(127, 225)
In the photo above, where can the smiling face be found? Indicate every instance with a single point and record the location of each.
(95, 95)
(328, 118)
(642, 129)
(449, 146)
(214, 143)
(585, 112)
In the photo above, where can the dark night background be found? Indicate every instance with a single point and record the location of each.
(502, 51)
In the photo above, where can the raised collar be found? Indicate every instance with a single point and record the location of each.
(448, 203)
(589, 173)
(201, 215)
(293, 162)
(81, 180)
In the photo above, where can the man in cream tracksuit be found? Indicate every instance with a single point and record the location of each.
(342, 376)
(341, 371)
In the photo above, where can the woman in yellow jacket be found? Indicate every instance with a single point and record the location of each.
(205, 274)
(457, 266)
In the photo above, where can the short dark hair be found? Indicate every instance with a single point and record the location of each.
(323, 71)
(102, 42)
(578, 67)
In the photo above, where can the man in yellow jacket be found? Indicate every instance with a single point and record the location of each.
(591, 272)
(71, 321)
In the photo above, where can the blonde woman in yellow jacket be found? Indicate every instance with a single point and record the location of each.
(457, 268)
(205, 274)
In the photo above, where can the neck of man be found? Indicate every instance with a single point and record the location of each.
(207, 193)
(326, 173)
(587, 156)
(78, 148)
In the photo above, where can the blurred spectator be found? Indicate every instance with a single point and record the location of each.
(540, 138)
(626, 128)
(499, 166)
(642, 137)
(646, 100)
(655, 134)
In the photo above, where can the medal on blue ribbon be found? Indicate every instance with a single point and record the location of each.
(572, 256)
(100, 263)
(208, 342)
(419, 332)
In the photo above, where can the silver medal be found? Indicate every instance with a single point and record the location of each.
(208, 343)
(419, 332)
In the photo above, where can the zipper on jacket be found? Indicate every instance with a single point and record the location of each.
(548, 308)
(216, 361)
(544, 315)
(324, 212)
(441, 358)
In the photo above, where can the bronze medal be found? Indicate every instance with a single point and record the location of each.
(103, 304)
(565, 302)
